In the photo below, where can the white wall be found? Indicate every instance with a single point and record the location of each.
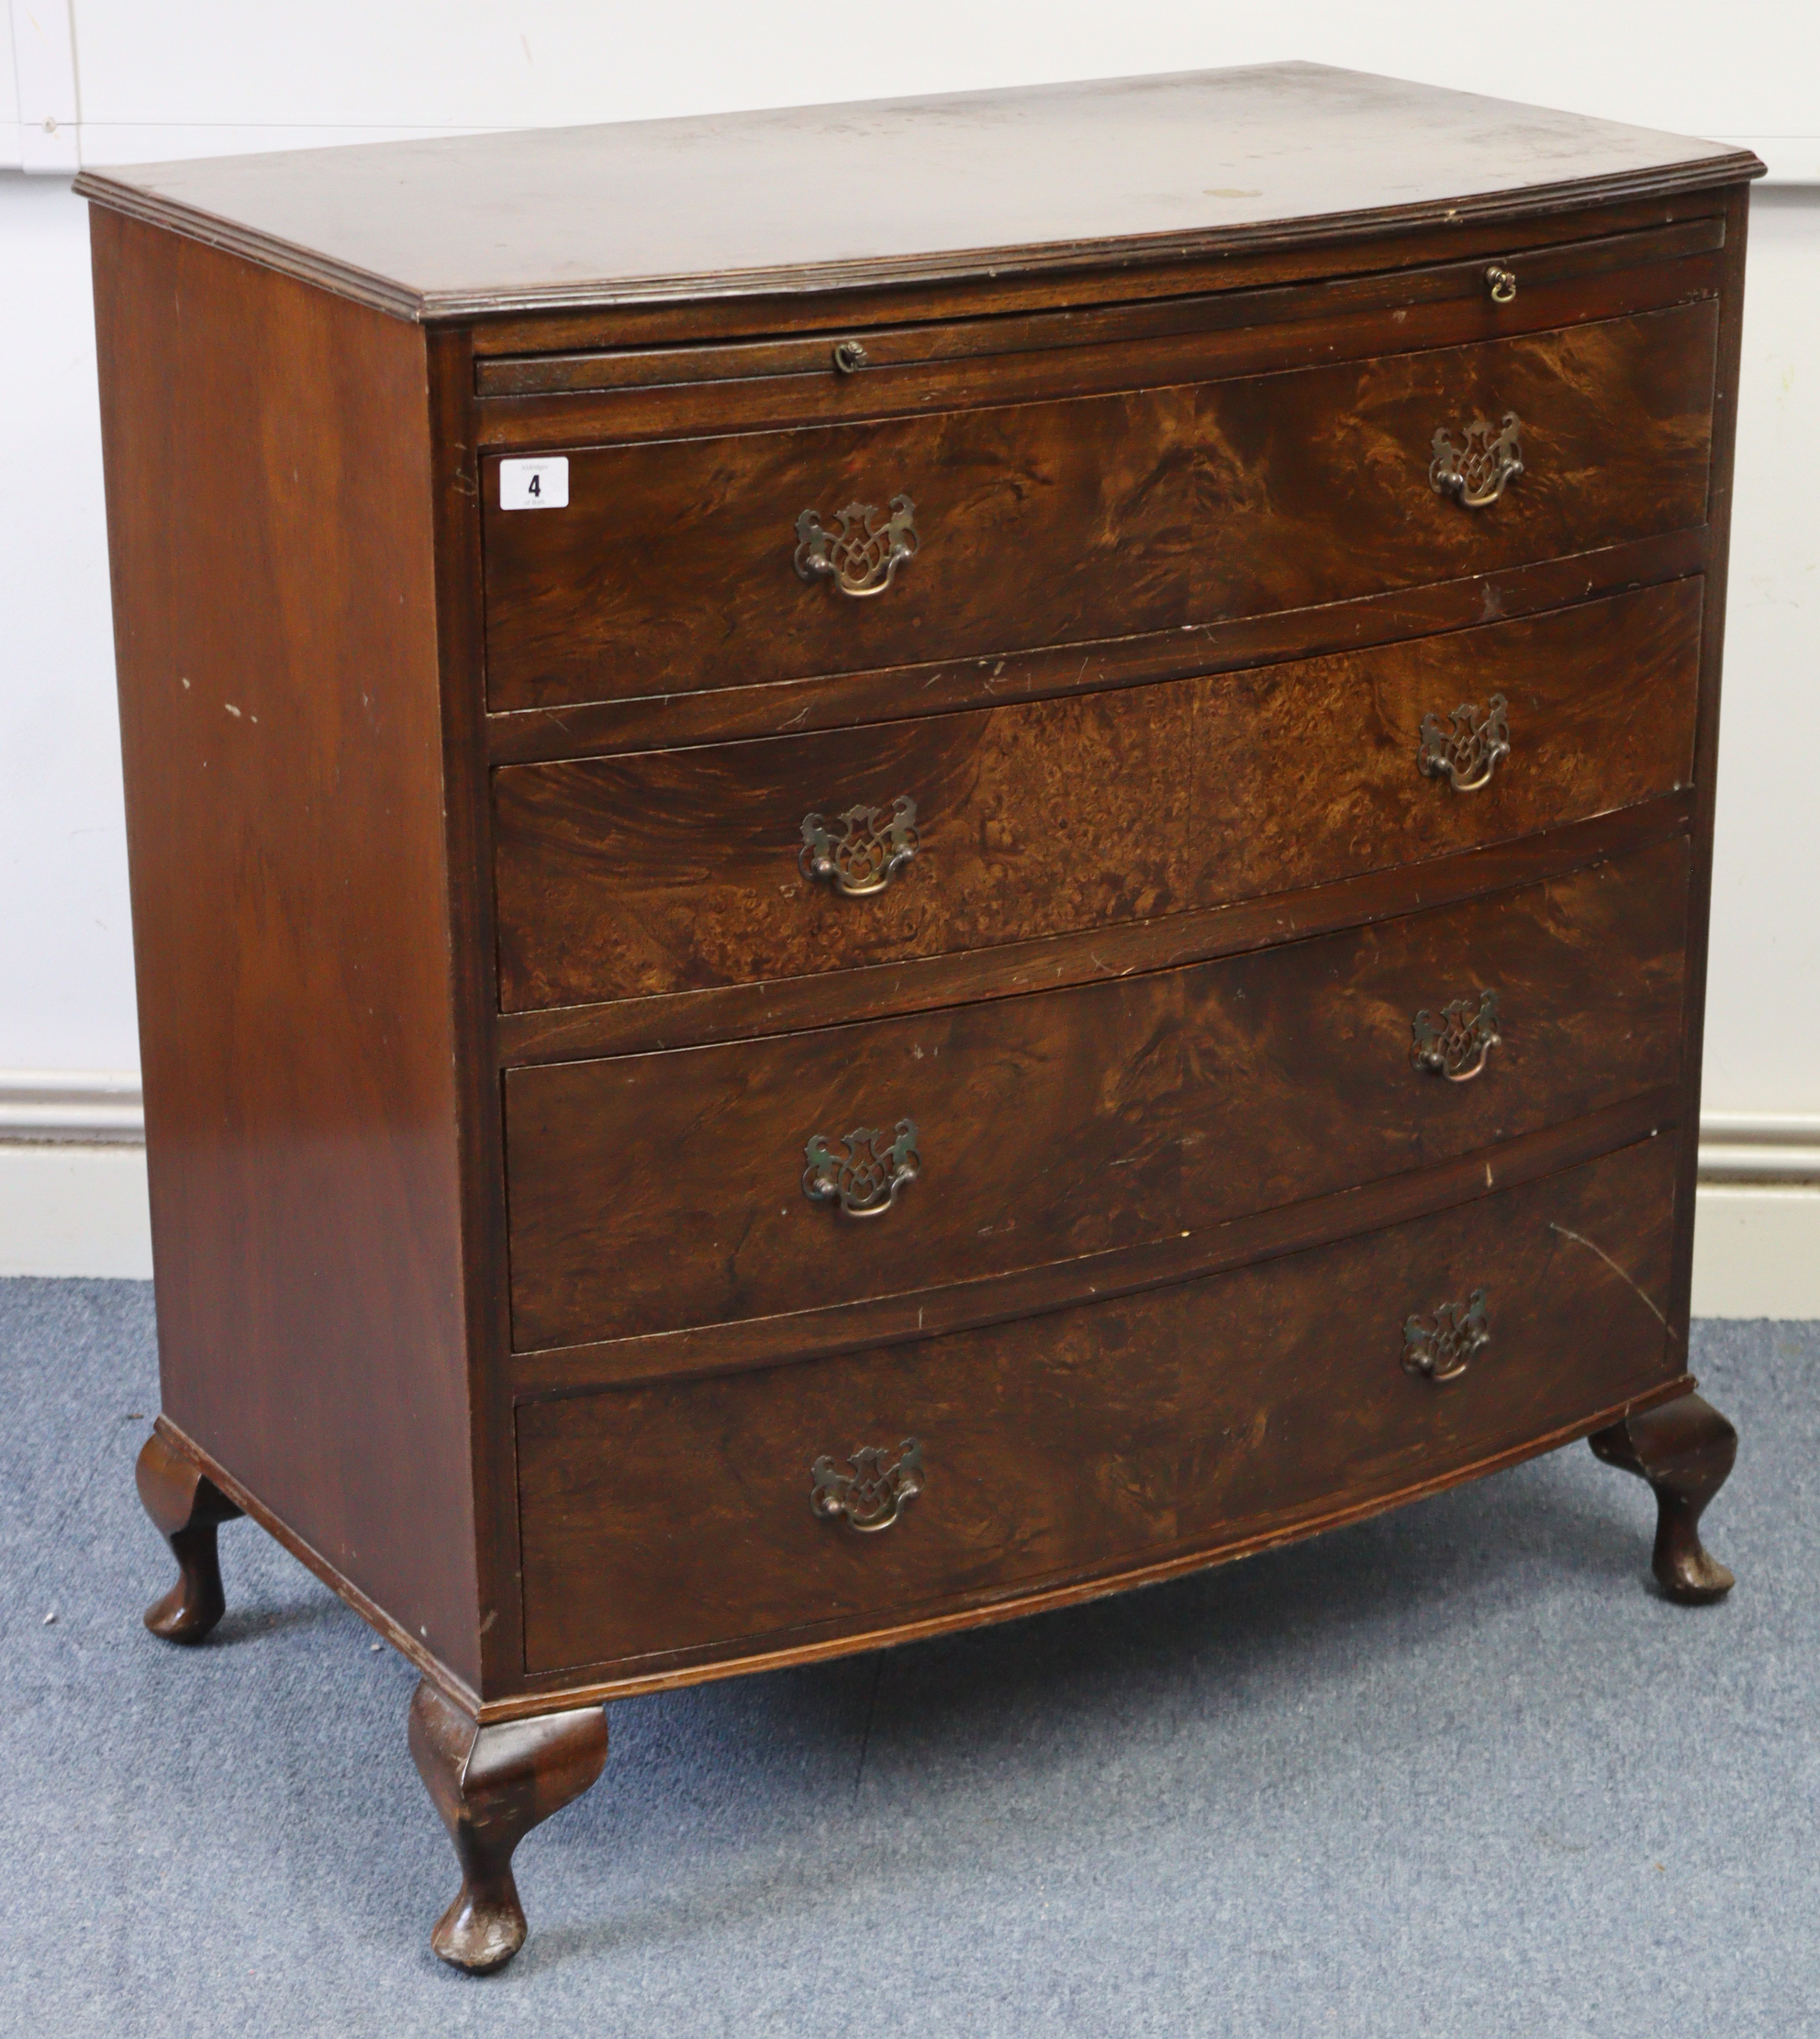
(66, 980)
(1761, 1055)
(211, 75)
(180, 79)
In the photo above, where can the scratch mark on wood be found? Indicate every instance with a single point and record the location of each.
(1612, 1264)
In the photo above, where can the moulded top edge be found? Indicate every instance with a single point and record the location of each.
(899, 191)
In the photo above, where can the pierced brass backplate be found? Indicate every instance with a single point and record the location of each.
(1478, 470)
(861, 851)
(860, 556)
(874, 1494)
(864, 1172)
(1466, 754)
(1440, 1350)
(1457, 1046)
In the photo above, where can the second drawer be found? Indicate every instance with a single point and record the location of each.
(674, 871)
(655, 1192)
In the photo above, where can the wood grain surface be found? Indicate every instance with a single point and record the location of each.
(1311, 487)
(679, 871)
(1523, 224)
(1570, 277)
(786, 1004)
(267, 463)
(1146, 344)
(1706, 736)
(840, 700)
(671, 567)
(492, 1786)
(652, 1192)
(268, 526)
(972, 184)
(1179, 1257)
(530, 1362)
(673, 1522)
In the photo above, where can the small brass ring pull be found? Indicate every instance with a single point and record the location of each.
(860, 555)
(860, 851)
(1477, 471)
(1501, 283)
(1442, 1351)
(850, 357)
(864, 1172)
(874, 1494)
(1458, 1045)
(1468, 753)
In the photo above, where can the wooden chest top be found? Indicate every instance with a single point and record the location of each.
(970, 185)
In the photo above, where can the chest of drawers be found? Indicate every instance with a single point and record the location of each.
(896, 863)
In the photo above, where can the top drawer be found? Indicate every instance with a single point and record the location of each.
(691, 563)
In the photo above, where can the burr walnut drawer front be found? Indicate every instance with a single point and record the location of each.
(657, 1192)
(685, 1519)
(673, 871)
(679, 563)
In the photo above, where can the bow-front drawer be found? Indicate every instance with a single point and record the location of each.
(685, 1520)
(672, 565)
(733, 863)
(654, 1192)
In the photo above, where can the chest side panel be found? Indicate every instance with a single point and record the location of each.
(269, 498)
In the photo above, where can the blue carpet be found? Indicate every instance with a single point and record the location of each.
(1454, 1772)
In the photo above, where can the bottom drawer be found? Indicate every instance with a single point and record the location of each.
(677, 1521)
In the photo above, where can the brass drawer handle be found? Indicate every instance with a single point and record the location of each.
(860, 851)
(1501, 283)
(1456, 1048)
(872, 1496)
(1477, 472)
(850, 356)
(1466, 754)
(1440, 1350)
(861, 555)
(864, 1172)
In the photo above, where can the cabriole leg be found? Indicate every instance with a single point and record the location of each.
(492, 1785)
(1684, 1449)
(188, 1508)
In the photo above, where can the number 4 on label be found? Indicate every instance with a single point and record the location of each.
(542, 484)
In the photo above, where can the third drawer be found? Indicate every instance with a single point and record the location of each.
(656, 1192)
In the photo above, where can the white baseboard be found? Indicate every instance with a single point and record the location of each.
(70, 1104)
(1757, 1250)
(74, 1208)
